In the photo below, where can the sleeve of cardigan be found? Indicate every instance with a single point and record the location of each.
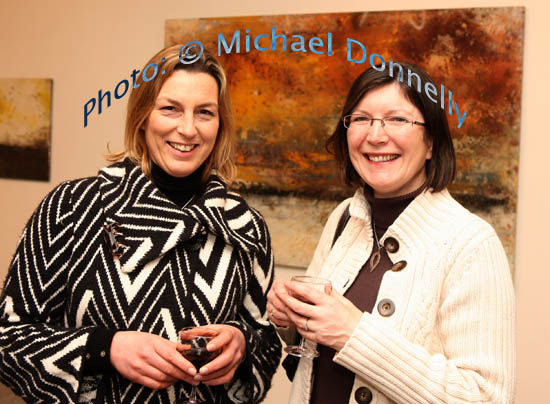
(476, 325)
(41, 359)
(263, 348)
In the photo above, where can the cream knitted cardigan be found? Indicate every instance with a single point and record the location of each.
(451, 338)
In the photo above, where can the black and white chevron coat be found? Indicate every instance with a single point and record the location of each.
(64, 280)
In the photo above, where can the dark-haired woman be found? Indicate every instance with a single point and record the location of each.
(110, 267)
(422, 308)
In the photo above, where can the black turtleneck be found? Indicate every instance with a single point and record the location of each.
(178, 190)
(384, 211)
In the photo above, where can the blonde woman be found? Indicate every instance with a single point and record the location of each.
(110, 267)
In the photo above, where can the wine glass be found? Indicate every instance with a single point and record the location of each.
(194, 341)
(321, 284)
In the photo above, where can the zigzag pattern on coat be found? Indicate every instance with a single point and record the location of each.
(64, 281)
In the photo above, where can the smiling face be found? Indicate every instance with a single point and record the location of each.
(392, 165)
(181, 130)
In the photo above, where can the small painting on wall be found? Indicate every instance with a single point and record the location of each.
(25, 128)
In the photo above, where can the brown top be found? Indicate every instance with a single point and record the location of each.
(332, 383)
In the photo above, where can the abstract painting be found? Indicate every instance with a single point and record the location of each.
(289, 76)
(25, 128)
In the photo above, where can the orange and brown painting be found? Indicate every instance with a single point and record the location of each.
(287, 102)
(25, 128)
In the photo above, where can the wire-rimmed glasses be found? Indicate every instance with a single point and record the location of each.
(392, 124)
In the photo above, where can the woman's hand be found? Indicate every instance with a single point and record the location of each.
(232, 344)
(149, 360)
(276, 307)
(327, 319)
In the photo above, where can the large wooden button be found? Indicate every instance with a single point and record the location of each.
(386, 307)
(363, 395)
(398, 266)
(391, 244)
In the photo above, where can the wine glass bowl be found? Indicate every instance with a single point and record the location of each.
(195, 351)
(323, 285)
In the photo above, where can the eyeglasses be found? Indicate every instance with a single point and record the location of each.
(389, 123)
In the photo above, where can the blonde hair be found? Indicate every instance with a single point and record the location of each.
(144, 95)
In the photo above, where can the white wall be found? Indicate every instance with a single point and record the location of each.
(85, 46)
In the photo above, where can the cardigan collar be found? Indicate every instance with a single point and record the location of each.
(146, 224)
(386, 210)
(428, 212)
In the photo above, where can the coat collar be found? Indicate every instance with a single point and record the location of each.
(146, 224)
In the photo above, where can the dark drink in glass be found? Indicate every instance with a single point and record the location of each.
(194, 341)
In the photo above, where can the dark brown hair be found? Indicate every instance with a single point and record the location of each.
(441, 169)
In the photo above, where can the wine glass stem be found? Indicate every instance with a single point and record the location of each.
(302, 344)
(193, 397)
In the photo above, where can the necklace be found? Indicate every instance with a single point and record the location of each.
(375, 257)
